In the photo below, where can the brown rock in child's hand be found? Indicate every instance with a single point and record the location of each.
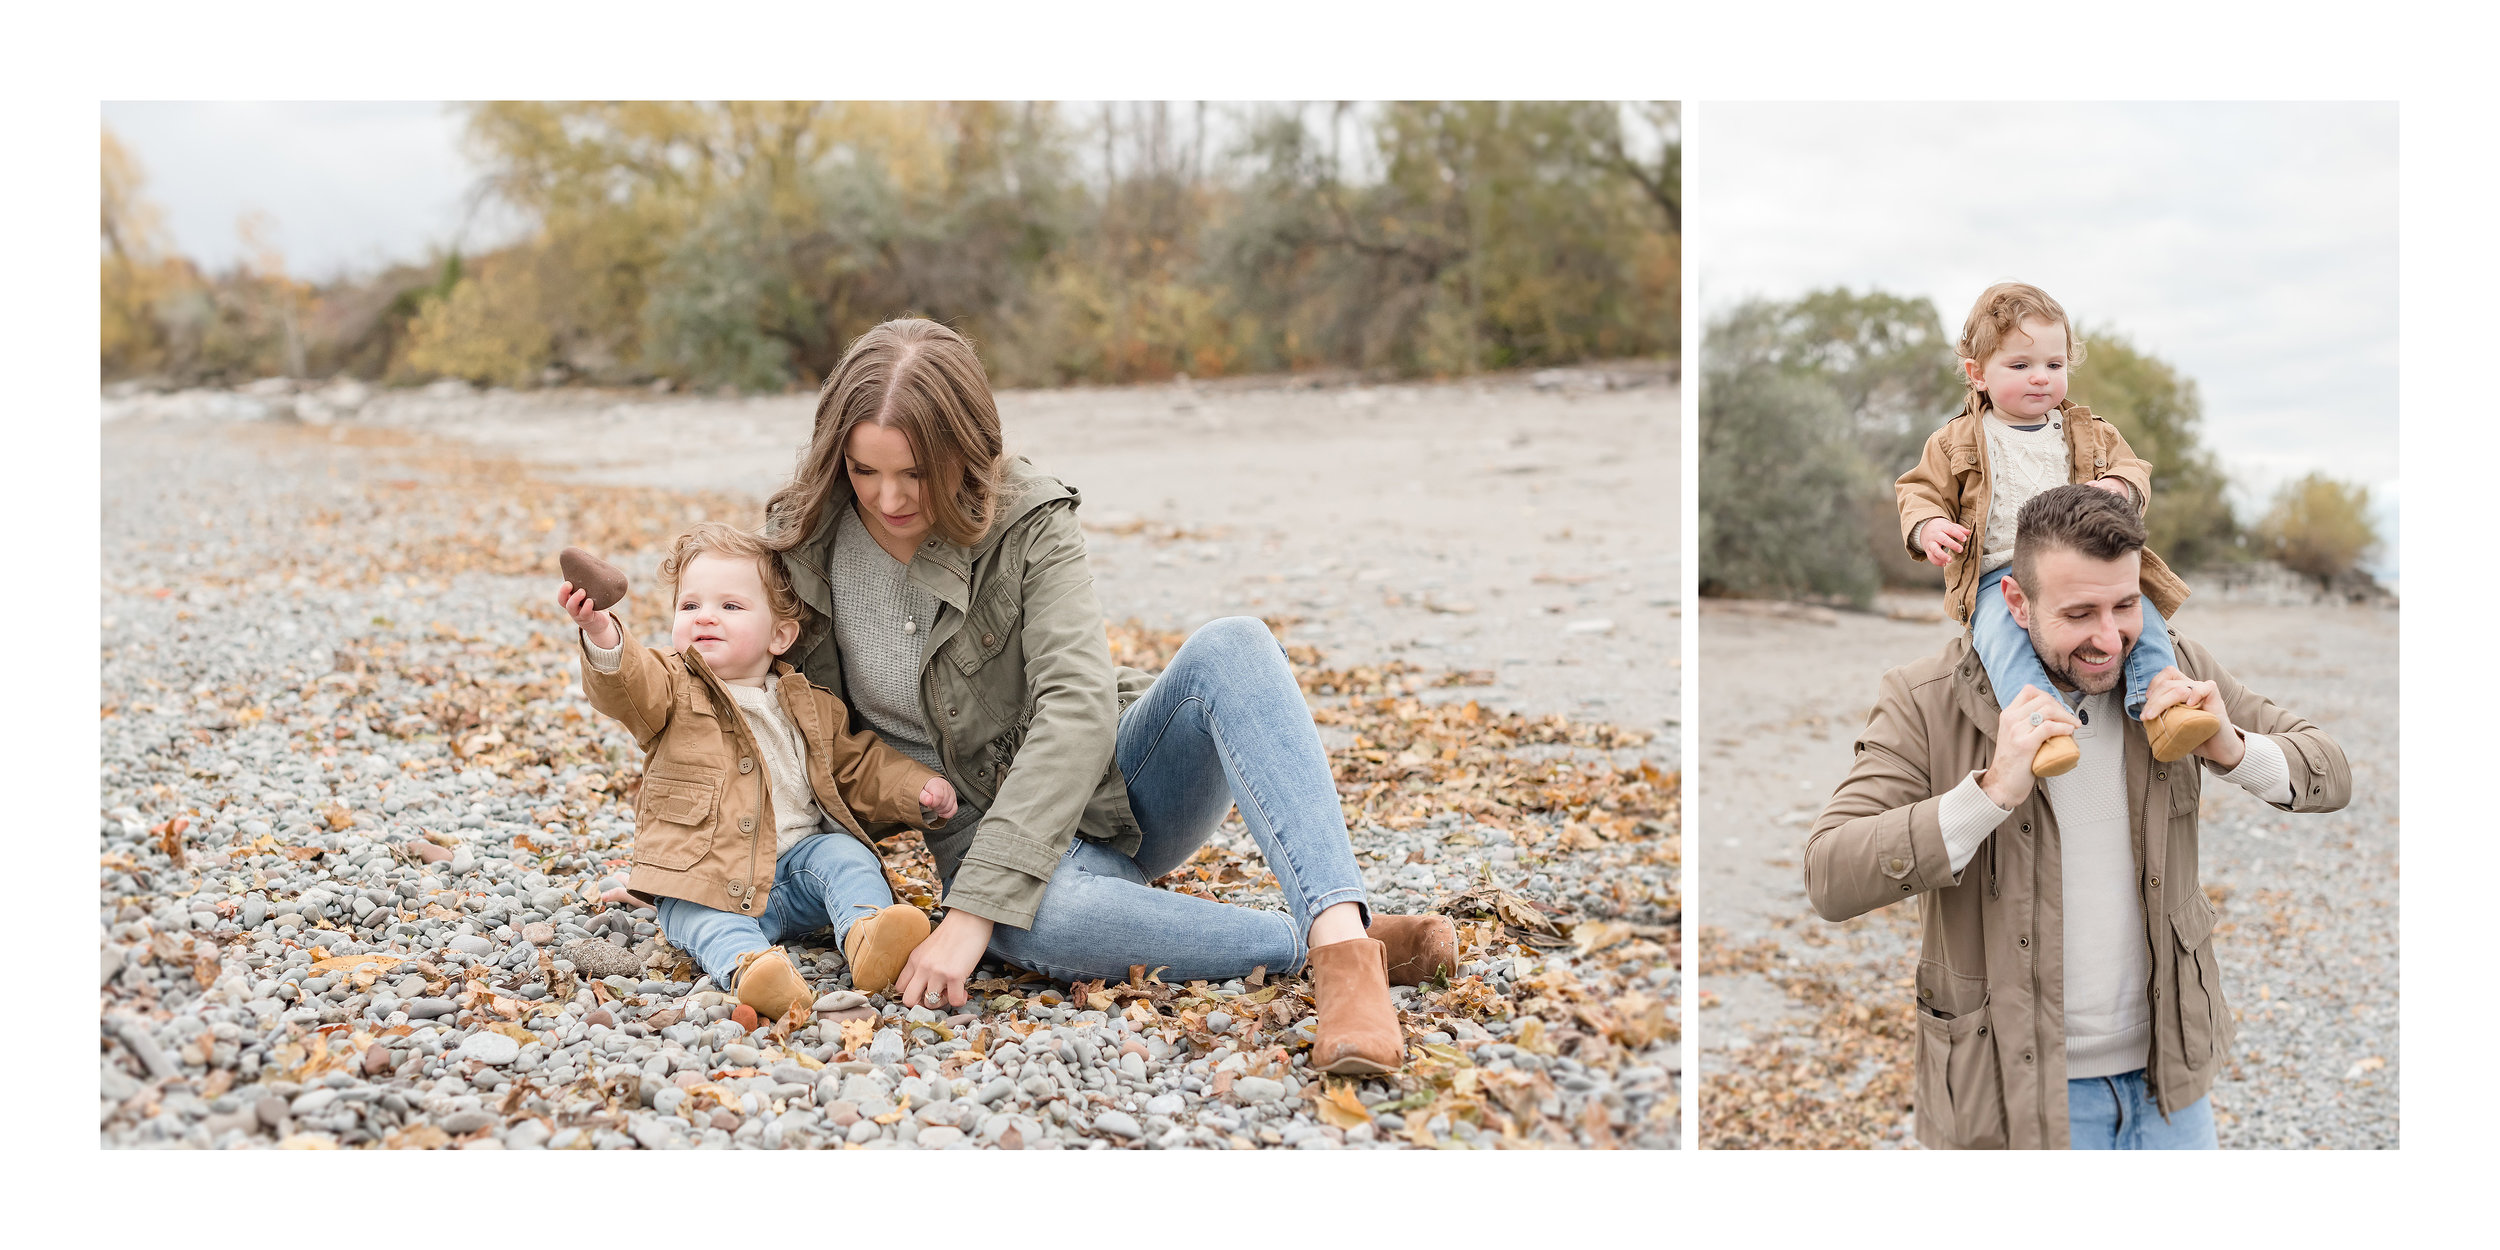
(604, 581)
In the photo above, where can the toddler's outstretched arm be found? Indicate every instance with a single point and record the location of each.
(595, 624)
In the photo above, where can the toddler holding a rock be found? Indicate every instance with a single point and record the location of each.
(748, 826)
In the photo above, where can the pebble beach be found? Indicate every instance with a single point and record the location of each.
(356, 819)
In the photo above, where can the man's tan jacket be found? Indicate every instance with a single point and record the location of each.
(1991, 973)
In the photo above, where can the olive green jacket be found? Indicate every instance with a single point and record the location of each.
(1017, 689)
(1991, 1049)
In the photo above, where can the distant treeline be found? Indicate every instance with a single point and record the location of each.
(744, 244)
(1810, 409)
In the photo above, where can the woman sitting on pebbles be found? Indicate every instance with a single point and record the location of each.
(955, 614)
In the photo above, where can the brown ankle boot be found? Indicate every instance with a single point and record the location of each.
(1420, 947)
(769, 983)
(2056, 756)
(2178, 730)
(1358, 1028)
(879, 945)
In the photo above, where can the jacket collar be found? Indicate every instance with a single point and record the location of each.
(1972, 693)
(939, 567)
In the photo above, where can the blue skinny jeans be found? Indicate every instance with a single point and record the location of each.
(2005, 649)
(1224, 726)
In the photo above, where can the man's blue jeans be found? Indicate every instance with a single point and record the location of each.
(827, 881)
(2005, 649)
(2117, 1113)
(1224, 725)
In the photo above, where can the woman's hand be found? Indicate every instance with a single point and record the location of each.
(595, 625)
(1942, 540)
(938, 798)
(941, 962)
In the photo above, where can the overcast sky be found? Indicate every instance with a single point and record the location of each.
(2251, 246)
(345, 187)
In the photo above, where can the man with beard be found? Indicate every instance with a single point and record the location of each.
(2067, 993)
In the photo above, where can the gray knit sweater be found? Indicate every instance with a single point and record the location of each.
(881, 621)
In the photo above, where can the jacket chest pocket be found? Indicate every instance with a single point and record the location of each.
(674, 821)
(2198, 992)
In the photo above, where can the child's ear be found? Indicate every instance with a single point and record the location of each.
(1972, 374)
(785, 633)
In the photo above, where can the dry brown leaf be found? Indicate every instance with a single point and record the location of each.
(856, 1034)
(1341, 1108)
(417, 1137)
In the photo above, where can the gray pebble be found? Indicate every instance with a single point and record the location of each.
(1258, 1089)
(496, 1048)
(463, 1123)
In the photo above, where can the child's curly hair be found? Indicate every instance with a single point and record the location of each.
(721, 539)
(2000, 311)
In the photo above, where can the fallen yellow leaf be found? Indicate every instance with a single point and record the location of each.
(1340, 1107)
(856, 1033)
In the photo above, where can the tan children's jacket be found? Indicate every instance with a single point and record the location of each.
(703, 825)
(1951, 481)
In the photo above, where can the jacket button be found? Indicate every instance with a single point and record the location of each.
(950, 713)
(746, 824)
(2161, 774)
(1927, 992)
(2156, 883)
(746, 763)
(1983, 1030)
(2026, 1056)
(2026, 826)
(2157, 993)
(1905, 887)
(1899, 864)
(2023, 942)
(989, 640)
(737, 886)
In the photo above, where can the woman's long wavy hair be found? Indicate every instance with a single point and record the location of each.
(2001, 310)
(917, 376)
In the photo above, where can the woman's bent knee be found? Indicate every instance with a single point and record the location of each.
(1243, 634)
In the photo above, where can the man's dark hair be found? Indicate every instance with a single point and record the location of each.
(2077, 518)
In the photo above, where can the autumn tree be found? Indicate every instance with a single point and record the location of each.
(2320, 528)
(139, 267)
